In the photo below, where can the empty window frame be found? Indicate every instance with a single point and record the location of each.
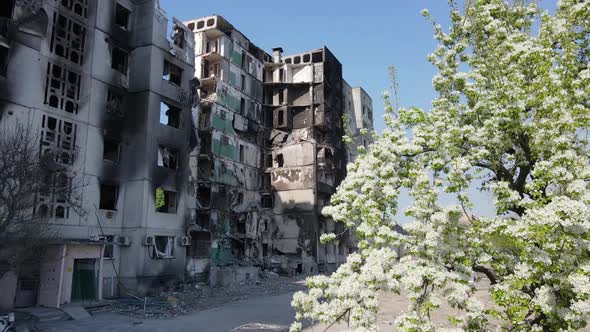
(109, 194)
(62, 89)
(68, 38)
(266, 201)
(4, 51)
(281, 96)
(114, 105)
(172, 73)
(119, 60)
(78, 7)
(169, 115)
(6, 8)
(200, 244)
(242, 154)
(163, 247)
(242, 82)
(280, 160)
(122, 16)
(167, 157)
(242, 106)
(109, 248)
(178, 36)
(204, 196)
(306, 58)
(244, 60)
(165, 201)
(111, 149)
(281, 117)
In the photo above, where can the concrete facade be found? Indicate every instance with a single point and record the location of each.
(92, 76)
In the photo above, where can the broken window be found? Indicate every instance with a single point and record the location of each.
(122, 16)
(163, 247)
(264, 249)
(111, 149)
(62, 90)
(108, 196)
(109, 248)
(266, 181)
(167, 157)
(242, 82)
(169, 115)
(243, 59)
(172, 73)
(6, 8)
(200, 244)
(204, 196)
(281, 75)
(267, 201)
(243, 106)
(119, 60)
(268, 162)
(67, 38)
(280, 160)
(115, 103)
(242, 153)
(165, 201)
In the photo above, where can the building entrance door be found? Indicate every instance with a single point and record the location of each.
(84, 280)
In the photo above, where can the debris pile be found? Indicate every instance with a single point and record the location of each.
(197, 297)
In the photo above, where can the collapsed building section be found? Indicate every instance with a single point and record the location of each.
(270, 156)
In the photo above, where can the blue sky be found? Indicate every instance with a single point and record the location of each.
(366, 37)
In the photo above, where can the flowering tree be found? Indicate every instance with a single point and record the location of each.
(512, 117)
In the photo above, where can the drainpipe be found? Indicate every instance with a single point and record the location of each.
(61, 275)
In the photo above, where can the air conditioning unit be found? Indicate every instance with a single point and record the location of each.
(97, 238)
(149, 241)
(124, 241)
(185, 241)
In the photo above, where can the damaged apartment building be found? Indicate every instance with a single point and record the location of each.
(270, 156)
(110, 94)
(202, 157)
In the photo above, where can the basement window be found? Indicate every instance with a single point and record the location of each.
(167, 157)
(119, 60)
(169, 115)
(172, 73)
(165, 201)
(163, 248)
(280, 160)
(108, 197)
(111, 150)
(122, 16)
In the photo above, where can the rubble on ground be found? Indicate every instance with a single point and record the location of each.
(196, 297)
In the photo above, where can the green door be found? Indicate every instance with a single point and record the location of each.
(84, 280)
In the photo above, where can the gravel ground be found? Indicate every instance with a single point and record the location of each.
(198, 297)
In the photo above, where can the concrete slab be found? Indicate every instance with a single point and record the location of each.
(76, 311)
